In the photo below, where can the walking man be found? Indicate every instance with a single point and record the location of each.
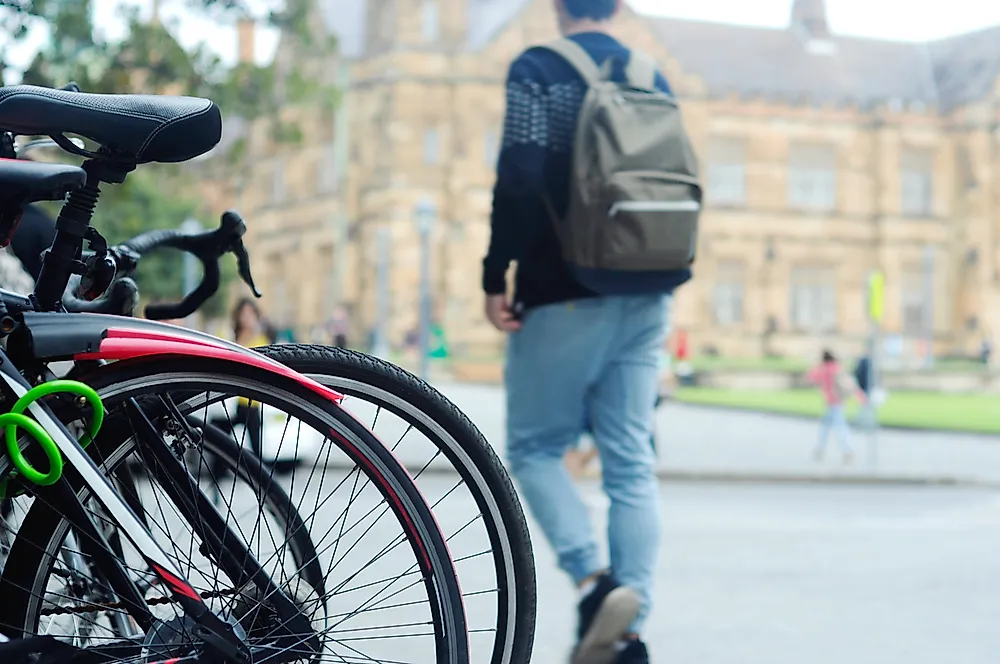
(583, 355)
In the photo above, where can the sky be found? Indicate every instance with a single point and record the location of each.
(885, 19)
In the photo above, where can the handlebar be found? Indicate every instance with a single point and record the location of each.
(121, 295)
(121, 298)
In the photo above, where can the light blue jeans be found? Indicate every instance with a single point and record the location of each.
(596, 359)
(835, 420)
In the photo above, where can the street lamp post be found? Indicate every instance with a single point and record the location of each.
(876, 312)
(425, 216)
(380, 342)
(765, 285)
(191, 277)
(929, 259)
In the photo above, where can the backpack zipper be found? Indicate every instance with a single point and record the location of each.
(654, 206)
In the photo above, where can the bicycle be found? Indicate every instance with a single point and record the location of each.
(387, 388)
(152, 361)
(109, 288)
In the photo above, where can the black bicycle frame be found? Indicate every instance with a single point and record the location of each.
(225, 641)
(222, 545)
(81, 336)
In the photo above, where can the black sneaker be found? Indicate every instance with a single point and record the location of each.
(605, 615)
(635, 653)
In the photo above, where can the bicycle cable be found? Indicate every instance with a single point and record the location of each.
(15, 419)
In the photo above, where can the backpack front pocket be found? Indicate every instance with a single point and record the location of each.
(652, 222)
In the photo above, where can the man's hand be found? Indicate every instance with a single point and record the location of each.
(498, 312)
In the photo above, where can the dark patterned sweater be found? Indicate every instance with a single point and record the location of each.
(544, 96)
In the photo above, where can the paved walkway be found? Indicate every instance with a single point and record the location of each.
(707, 443)
(809, 574)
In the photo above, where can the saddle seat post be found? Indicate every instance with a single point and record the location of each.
(63, 258)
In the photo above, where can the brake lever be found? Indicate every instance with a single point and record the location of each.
(243, 266)
(233, 224)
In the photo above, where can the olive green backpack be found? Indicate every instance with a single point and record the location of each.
(635, 196)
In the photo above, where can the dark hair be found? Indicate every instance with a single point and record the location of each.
(238, 309)
(597, 10)
(828, 356)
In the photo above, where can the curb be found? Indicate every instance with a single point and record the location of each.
(805, 478)
(810, 418)
(733, 477)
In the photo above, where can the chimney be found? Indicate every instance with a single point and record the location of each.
(810, 16)
(244, 40)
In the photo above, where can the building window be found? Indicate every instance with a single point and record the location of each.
(328, 175)
(813, 306)
(915, 299)
(812, 178)
(278, 181)
(430, 24)
(432, 147)
(917, 183)
(729, 292)
(726, 172)
(491, 148)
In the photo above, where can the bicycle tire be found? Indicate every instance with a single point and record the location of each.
(44, 526)
(414, 400)
(248, 468)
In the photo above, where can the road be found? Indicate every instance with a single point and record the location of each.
(824, 573)
(749, 573)
(812, 573)
(769, 573)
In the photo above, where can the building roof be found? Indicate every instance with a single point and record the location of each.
(346, 20)
(485, 18)
(787, 63)
(966, 67)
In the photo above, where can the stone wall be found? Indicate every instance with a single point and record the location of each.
(316, 246)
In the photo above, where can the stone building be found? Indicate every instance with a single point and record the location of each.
(824, 157)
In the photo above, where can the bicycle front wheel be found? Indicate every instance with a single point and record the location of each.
(412, 612)
(475, 501)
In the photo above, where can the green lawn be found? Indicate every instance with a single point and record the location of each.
(922, 410)
(783, 364)
(797, 365)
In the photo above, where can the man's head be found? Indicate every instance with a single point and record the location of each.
(581, 15)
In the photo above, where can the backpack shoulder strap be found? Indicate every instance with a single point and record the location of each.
(641, 71)
(580, 60)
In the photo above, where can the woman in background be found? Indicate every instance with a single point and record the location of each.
(249, 330)
(249, 326)
(836, 386)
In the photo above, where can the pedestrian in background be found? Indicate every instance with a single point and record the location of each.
(836, 386)
(250, 330)
(338, 326)
(584, 343)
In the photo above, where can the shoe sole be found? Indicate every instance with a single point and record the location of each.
(611, 622)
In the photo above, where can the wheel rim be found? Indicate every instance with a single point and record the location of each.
(500, 648)
(122, 388)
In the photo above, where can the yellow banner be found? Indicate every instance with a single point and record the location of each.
(876, 296)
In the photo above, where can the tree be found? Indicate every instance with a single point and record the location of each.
(150, 60)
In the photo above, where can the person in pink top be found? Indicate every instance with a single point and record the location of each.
(832, 382)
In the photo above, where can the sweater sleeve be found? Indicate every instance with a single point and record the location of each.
(518, 207)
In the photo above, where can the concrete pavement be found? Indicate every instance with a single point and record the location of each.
(747, 574)
(705, 443)
(823, 574)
